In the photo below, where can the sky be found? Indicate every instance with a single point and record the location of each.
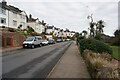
(72, 14)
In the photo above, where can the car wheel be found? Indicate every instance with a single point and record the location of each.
(40, 45)
(33, 46)
(23, 46)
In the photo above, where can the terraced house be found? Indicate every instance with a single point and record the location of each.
(36, 24)
(56, 31)
(50, 29)
(11, 16)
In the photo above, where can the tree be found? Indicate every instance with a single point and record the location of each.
(117, 33)
(76, 34)
(100, 26)
(51, 33)
(80, 34)
(84, 32)
(92, 30)
(92, 24)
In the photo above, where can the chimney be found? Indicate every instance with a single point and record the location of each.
(42, 21)
(4, 3)
(30, 16)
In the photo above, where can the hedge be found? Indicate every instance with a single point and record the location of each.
(94, 45)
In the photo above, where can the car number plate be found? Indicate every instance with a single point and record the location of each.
(25, 45)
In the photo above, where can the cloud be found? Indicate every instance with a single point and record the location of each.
(63, 0)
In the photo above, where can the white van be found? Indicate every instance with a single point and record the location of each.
(33, 41)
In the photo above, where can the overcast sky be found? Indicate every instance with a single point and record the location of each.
(72, 14)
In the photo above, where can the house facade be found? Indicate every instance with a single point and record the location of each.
(61, 33)
(3, 15)
(72, 33)
(11, 16)
(43, 26)
(35, 24)
(56, 31)
(49, 29)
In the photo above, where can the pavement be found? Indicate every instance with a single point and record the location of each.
(71, 65)
(32, 63)
(4, 50)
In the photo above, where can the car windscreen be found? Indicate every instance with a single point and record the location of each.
(30, 39)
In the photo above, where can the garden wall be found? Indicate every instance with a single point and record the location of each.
(12, 39)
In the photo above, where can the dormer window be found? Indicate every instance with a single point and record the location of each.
(14, 23)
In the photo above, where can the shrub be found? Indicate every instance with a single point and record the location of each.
(33, 34)
(94, 45)
(19, 27)
(79, 38)
(11, 29)
(43, 33)
(98, 37)
(30, 29)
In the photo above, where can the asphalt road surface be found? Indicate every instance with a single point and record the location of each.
(33, 63)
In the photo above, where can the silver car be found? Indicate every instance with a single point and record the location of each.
(33, 41)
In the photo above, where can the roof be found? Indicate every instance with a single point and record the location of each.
(31, 20)
(50, 27)
(56, 28)
(67, 30)
(72, 31)
(10, 8)
(61, 30)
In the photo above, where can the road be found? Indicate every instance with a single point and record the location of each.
(33, 63)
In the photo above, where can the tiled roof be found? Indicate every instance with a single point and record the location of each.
(50, 27)
(11, 8)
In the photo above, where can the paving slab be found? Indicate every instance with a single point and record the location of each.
(71, 65)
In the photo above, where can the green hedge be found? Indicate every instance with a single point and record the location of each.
(11, 29)
(94, 45)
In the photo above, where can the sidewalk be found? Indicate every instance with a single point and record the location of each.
(70, 65)
(10, 49)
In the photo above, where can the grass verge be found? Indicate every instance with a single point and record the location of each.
(116, 52)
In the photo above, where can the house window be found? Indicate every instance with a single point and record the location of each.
(2, 11)
(37, 24)
(14, 23)
(2, 20)
(14, 15)
(23, 24)
(22, 16)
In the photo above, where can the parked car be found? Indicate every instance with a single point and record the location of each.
(59, 40)
(33, 41)
(68, 39)
(44, 42)
(51, 41)
(63, 39)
